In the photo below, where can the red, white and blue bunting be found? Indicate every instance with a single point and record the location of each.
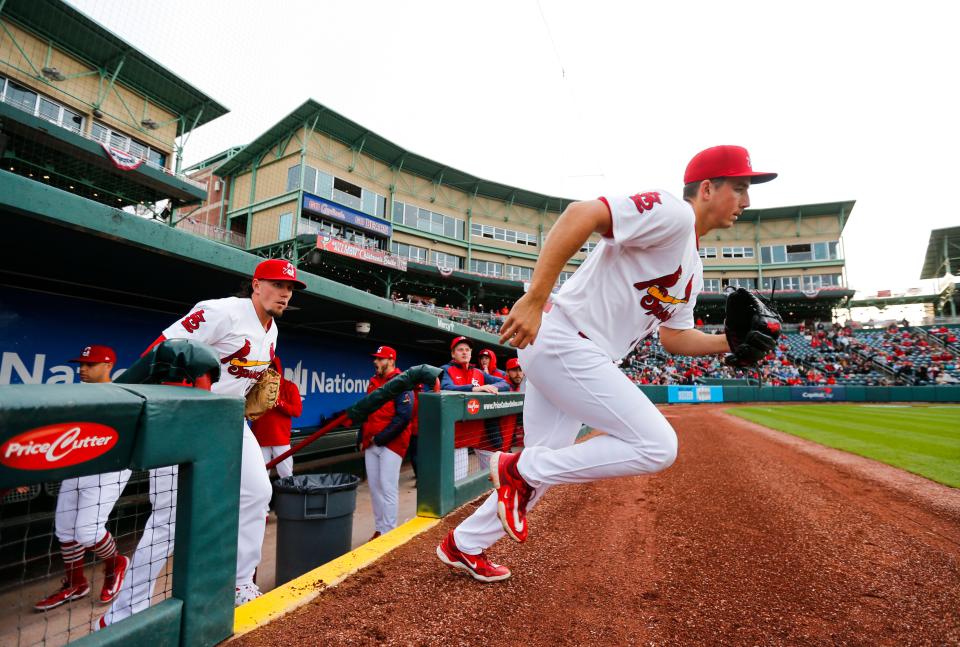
(123, 161)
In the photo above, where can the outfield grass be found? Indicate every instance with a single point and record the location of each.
(924, 440)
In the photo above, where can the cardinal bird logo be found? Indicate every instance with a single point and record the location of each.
(657, 295)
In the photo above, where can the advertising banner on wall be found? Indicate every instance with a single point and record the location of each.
(693, 394)
(818, 393)
(344, 248)
(36, 344)
(346, 215)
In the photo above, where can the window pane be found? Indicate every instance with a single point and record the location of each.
(398, 212)
(748, 252)
(21, 97)
(764, 254)
(156, 158)
(833, 250)
(99, 132)
(72, 121)
(49, 111)
(475, 229)
(779, 254)
(367, 203)
(460, 227)
(449, 228)
(293, 178)
(324, 184)
(137, 149)
(381, 204)
(286, 226)
(310, 179)
(118, 141)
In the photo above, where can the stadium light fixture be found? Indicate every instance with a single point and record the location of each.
(53, 74)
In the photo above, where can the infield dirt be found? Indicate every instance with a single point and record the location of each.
(753, 537)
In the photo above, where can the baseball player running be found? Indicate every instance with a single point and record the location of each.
(644, 276)
(83, 506)
(244, 332)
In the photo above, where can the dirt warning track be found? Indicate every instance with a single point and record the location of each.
(752, 538)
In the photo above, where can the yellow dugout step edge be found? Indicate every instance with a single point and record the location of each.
(300, 591)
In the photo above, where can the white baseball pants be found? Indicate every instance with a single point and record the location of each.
(156, 543)
(571, 382)
(85, 503)
(383, 477)
(284, 467)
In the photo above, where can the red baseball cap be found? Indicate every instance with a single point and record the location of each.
(278, 269)
(95, 355)
(513, 362)
(385, 352)
(486, 352)
(723, 161)
(461, 340)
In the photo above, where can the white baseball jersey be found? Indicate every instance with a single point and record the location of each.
(645, 273)
(232, 327)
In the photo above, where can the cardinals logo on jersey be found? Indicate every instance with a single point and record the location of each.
(657, 296)
(240, 365)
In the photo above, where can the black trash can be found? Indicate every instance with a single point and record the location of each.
(314, 520)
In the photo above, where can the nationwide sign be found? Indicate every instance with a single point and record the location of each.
(346, 215)
(344, 248)
(59, 445)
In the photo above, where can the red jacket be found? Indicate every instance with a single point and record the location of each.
(389, 418)
(479, 434)
(273, 427)
(508, 426)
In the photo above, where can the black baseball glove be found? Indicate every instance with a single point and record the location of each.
(752, 328)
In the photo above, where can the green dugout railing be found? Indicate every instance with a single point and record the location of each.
(49, 433)
(437, 493)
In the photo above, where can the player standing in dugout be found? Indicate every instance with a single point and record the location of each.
(243, 331)
(643, 277)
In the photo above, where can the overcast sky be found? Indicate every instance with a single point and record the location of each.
(846, 100)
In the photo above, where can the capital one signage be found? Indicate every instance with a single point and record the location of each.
(59, 445)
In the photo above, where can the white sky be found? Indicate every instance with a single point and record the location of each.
(847, 100)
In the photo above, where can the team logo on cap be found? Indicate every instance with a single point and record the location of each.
(657, 296)
(86, 352)
(289, 270)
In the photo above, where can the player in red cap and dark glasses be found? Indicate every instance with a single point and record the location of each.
(644, 276)
(83, 505)
(384, 438)
(243, 331)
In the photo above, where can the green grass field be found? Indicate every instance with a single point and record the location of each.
(924, 440)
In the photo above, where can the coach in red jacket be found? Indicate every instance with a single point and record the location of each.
(272, 429)
(384, 438)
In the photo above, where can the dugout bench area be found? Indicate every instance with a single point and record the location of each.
(50, 433)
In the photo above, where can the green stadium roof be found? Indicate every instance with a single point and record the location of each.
(76, 34)
(801, 211)
(356, 136)
(943, 253)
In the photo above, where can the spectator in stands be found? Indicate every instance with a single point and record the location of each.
(384, 438)
(272, 429)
